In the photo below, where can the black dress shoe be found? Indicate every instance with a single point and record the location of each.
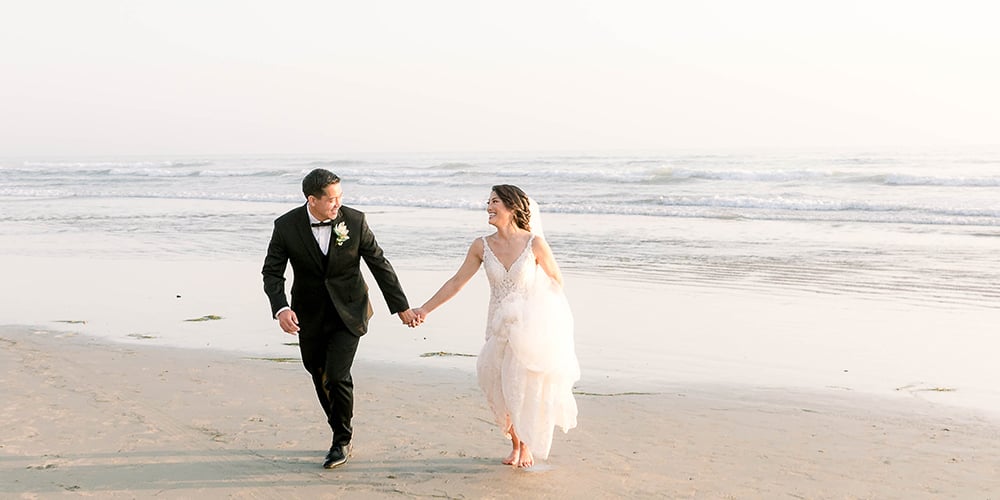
(337, 456)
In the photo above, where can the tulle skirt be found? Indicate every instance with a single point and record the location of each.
(528, 365)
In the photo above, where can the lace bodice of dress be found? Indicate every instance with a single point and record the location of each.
(504, 282)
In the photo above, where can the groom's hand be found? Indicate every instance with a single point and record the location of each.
(289, 321)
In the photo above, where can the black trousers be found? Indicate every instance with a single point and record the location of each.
(328, 354)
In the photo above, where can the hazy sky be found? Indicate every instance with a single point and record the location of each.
(300, 76)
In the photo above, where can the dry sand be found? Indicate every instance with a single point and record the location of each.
(85, 417)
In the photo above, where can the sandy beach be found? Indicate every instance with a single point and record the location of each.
(86, 417)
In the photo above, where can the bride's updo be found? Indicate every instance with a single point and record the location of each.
(516, 201)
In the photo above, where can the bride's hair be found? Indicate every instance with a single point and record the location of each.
(516, 201)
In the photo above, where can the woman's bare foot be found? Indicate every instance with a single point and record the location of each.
(513, 457)
(515, 443)
(525, 459)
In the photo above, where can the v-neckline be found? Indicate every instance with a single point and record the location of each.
(516, 259)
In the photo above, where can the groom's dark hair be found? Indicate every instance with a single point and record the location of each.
(516, 201)
(316, 181)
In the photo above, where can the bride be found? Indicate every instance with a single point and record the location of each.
(528, 364)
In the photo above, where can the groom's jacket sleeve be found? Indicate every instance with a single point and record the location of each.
(275, 263)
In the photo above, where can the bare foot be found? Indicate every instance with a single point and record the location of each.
(512, 458)
(525, 459)
(514, 443)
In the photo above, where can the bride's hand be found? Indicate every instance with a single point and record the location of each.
(421, 314)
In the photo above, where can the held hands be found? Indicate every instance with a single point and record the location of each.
(410, 318)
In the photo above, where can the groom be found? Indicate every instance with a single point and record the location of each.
(325, 242)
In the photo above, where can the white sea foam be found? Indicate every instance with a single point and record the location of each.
(914, 180)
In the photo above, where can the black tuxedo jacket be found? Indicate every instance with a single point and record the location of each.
(339, 280)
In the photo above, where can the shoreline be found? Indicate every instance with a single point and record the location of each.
(89, 416)
(630, 336)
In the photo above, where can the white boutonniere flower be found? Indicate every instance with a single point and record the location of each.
(340, 231)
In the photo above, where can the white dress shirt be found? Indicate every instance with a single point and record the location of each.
(322, 233)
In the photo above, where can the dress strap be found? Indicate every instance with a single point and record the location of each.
(486, 246)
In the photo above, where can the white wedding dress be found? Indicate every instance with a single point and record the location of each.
(528, 365)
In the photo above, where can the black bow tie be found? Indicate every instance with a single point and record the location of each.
(327, 222)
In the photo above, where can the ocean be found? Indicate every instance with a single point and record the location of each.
(920, 226)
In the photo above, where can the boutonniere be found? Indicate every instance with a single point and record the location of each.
(340, 231)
